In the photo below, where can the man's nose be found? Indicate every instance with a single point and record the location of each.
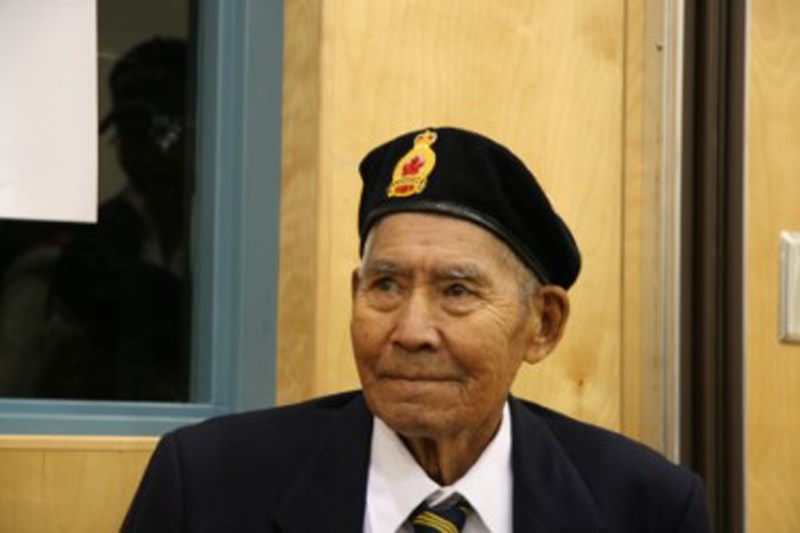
(416, 329)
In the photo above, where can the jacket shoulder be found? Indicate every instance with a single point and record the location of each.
(271, 441)
(629, 481)
(293, 422)
(233, 469)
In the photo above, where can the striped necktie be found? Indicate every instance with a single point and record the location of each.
(447, 518)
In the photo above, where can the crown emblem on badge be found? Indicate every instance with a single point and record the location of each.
(411, 173)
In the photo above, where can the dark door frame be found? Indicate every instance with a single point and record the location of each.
(712, 236)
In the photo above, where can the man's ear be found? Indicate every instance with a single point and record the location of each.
(549, 310)
(355, 281)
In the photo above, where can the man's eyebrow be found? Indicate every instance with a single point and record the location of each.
(467, 272)
(381, 267)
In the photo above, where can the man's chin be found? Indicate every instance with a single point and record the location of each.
(415, 428)
(412, 418)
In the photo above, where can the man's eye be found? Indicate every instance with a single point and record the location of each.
(457, 290)
(385, 284)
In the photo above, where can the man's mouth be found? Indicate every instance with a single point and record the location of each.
(417, 377)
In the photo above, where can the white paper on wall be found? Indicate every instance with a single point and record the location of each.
(48, 110)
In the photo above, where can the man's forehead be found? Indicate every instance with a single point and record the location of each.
(449, 246)
(431, 228)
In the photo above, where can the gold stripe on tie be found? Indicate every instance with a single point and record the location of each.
(435, 521)
(442, 528)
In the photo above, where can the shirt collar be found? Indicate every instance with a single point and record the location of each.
(397, 484)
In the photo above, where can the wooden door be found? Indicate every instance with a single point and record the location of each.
(772, 368)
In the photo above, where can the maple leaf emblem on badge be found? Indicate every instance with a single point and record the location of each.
(413, 166)
(411, 172)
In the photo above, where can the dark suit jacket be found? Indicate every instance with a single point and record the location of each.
(303, 468)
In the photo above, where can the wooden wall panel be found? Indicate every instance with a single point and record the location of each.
(544, 77)
(561, 82)
(297, 340)
(69, 484)
(642, 266)
(773, 204)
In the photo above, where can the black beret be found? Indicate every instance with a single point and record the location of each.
(462, 174)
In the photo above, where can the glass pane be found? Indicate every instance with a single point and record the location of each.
(102, 311)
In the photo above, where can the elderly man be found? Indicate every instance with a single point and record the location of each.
(464, 273)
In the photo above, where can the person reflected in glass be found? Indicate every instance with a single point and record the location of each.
(118, 306)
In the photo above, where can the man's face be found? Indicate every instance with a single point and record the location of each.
(439, 326)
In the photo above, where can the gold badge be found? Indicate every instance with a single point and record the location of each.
(411, 172)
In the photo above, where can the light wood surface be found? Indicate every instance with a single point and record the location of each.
(68, 484)
(76, 442)
(648, 393)
(297, 337)
(545, 78)
(773, 204)
(633, 174)
(642, 266)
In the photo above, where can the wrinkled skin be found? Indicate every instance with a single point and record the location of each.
(440, 327)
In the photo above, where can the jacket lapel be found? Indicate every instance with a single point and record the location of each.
(329, 493)
(549, 494)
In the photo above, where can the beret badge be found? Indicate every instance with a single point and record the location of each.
(411, 172)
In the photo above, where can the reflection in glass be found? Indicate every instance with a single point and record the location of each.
(102, 311)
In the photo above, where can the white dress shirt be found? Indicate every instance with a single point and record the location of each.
(397, 484)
